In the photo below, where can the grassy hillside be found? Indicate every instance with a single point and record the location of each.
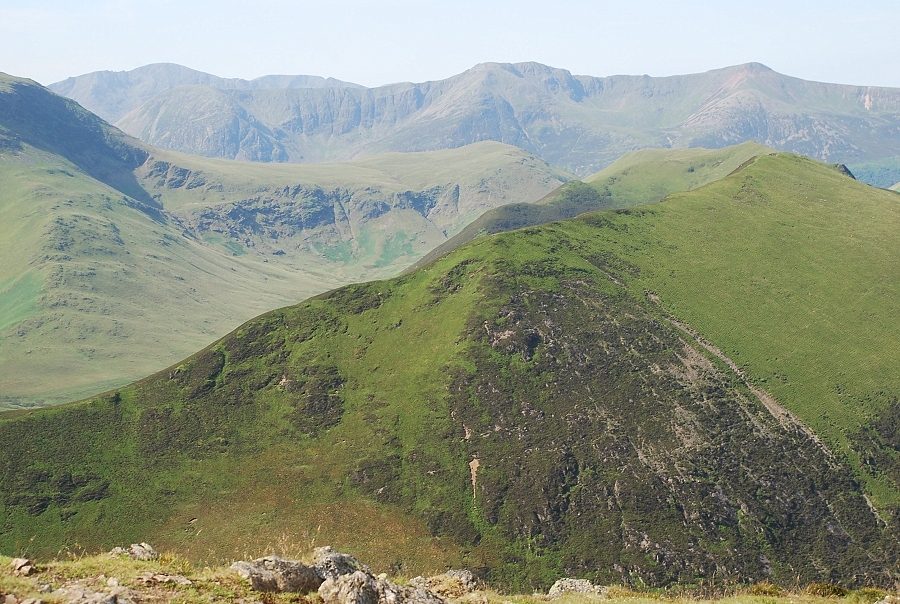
(221, 584)
(116, 259)
(637, 178)
(651, 174)
(552, 401)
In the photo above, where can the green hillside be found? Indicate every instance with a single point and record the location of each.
(116, 259)
(640, 177)
(553, 401)
(651, 174)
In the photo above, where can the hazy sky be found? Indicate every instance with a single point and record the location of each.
(379, 42)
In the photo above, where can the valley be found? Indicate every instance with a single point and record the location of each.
(120, 258)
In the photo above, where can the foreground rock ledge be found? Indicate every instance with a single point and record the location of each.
(342, 579)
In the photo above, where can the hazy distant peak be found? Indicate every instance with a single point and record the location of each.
(112, 94)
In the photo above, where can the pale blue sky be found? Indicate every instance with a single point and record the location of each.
(379, 42)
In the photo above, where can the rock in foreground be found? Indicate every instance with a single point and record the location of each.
(364, 588)
(136, 551)
(580, 586)
(451, 584)
(272, 573)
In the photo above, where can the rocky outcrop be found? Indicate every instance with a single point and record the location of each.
(340, 579)
(580, 586)
(136, 551)
(330, 564)
(22, 567)
(451, 584)
(75, 594)
(364, 588)
(272, 573)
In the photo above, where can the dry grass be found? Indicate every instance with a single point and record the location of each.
(221, 585)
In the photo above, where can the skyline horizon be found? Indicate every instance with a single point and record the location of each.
(436, 79)
(393, 41)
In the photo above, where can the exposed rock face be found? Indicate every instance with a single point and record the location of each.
(581, 586)
(362, 588)
(272, 573)
(340, 579)
(75, 594)
(451, 584)
(330, 564)
(356, 588)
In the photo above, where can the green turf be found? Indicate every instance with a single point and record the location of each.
(355, 408)
(19, 299)
(651, 174)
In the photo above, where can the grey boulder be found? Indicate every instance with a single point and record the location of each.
(272, 573)
(362, 587)
(331, 564)
(581, 586)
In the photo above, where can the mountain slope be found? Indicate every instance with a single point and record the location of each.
(582, 123)
(112, 94)
(637, 178)
(117, 259)
(552, 401)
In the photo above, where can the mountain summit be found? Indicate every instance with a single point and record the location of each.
(582, 123)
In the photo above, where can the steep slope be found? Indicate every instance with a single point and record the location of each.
(117, 259)
(112, 94)
(637, 178)
(552, 401)
(581, 123)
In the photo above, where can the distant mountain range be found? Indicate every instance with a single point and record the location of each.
(580, 123)
(117, 258)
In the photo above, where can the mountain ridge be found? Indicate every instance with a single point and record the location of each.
(148, 80)
(119, 258)
(552, 418)
(581, 123)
